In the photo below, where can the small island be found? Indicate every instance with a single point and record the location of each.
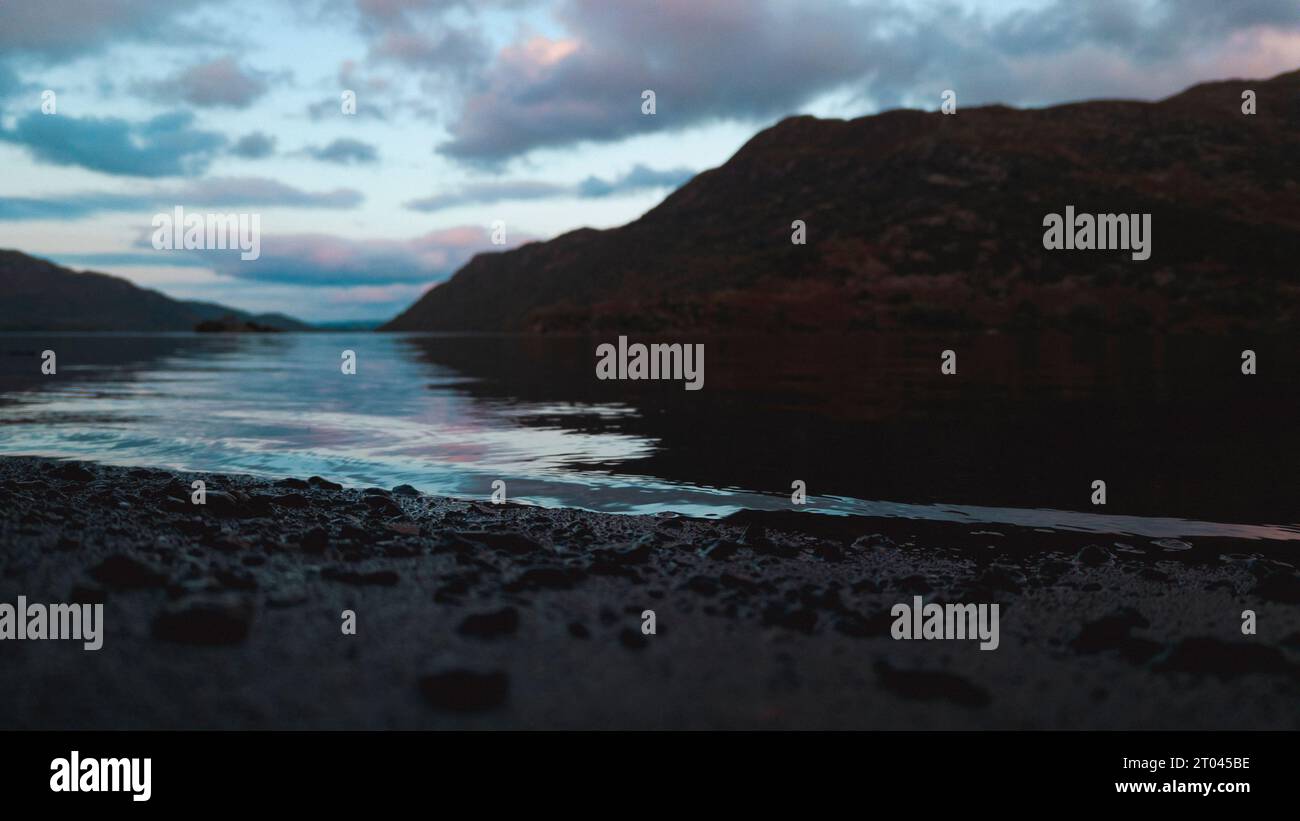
(233, 324)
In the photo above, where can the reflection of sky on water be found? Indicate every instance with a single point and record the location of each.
(285, 409)
(278, 405)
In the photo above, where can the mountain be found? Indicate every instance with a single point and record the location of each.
(211, 311)
(920, 219)
(350, 325)
(37, 295)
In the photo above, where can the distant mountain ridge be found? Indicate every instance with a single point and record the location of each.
(37, 295)
(920, 219)
(214, 312)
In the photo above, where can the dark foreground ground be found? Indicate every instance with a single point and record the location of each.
(482, 616)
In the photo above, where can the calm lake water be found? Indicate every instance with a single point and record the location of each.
(1187, 445)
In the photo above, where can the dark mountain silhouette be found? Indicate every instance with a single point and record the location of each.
(37, 295)
(213, 312)
(924, 219)
(233, 324)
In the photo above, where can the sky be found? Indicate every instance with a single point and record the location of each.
(470, 112)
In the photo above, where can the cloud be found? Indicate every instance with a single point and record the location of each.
(441, 40)
(640, 178)
(724, 59)
(345, 151)
(15, 209)
(217, 192)
(395, 13)
(119, 259)
(57, 30)
(328, 260)
(489, 192)
(456, 50)
(9, 82)
(324, 261)
(217, 83)
(758, 60)
(350, 77)
(399, 295)
(1145, 32)
(165, 146)
(332, 107)
(379, 15)
(229, 191)
(254, 146)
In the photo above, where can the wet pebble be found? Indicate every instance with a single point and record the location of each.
(579, 630)
(801, 619)
(1212, 656)
(914, 584)
(702, 585)
(927, 685)
(1279, 587)
(126, 573)
(873, 541)
(382, 505)
(314, 540)
(72, 472)
(719, 549)
(220, 503)
(510, 542)
(830, 552)
(403, 528)
(1110, 632)
(205, 620)
(287, 595)
(380, 578)
(1094, 555)
(465, 691)
(545, 578)
(1000, 578)
(496, 624)
(633, 639)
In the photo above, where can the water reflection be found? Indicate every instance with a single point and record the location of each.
(1017, 436)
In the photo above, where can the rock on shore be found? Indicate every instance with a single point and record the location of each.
(469, 614)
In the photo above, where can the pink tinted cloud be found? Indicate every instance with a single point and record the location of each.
(330, 260)
(219, 82)
(378, 294)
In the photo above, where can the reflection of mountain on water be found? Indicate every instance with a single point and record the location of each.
(1171, 424)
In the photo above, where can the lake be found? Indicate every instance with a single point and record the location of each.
(1186, 443)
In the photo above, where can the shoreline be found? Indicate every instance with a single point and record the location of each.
(469, 614)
